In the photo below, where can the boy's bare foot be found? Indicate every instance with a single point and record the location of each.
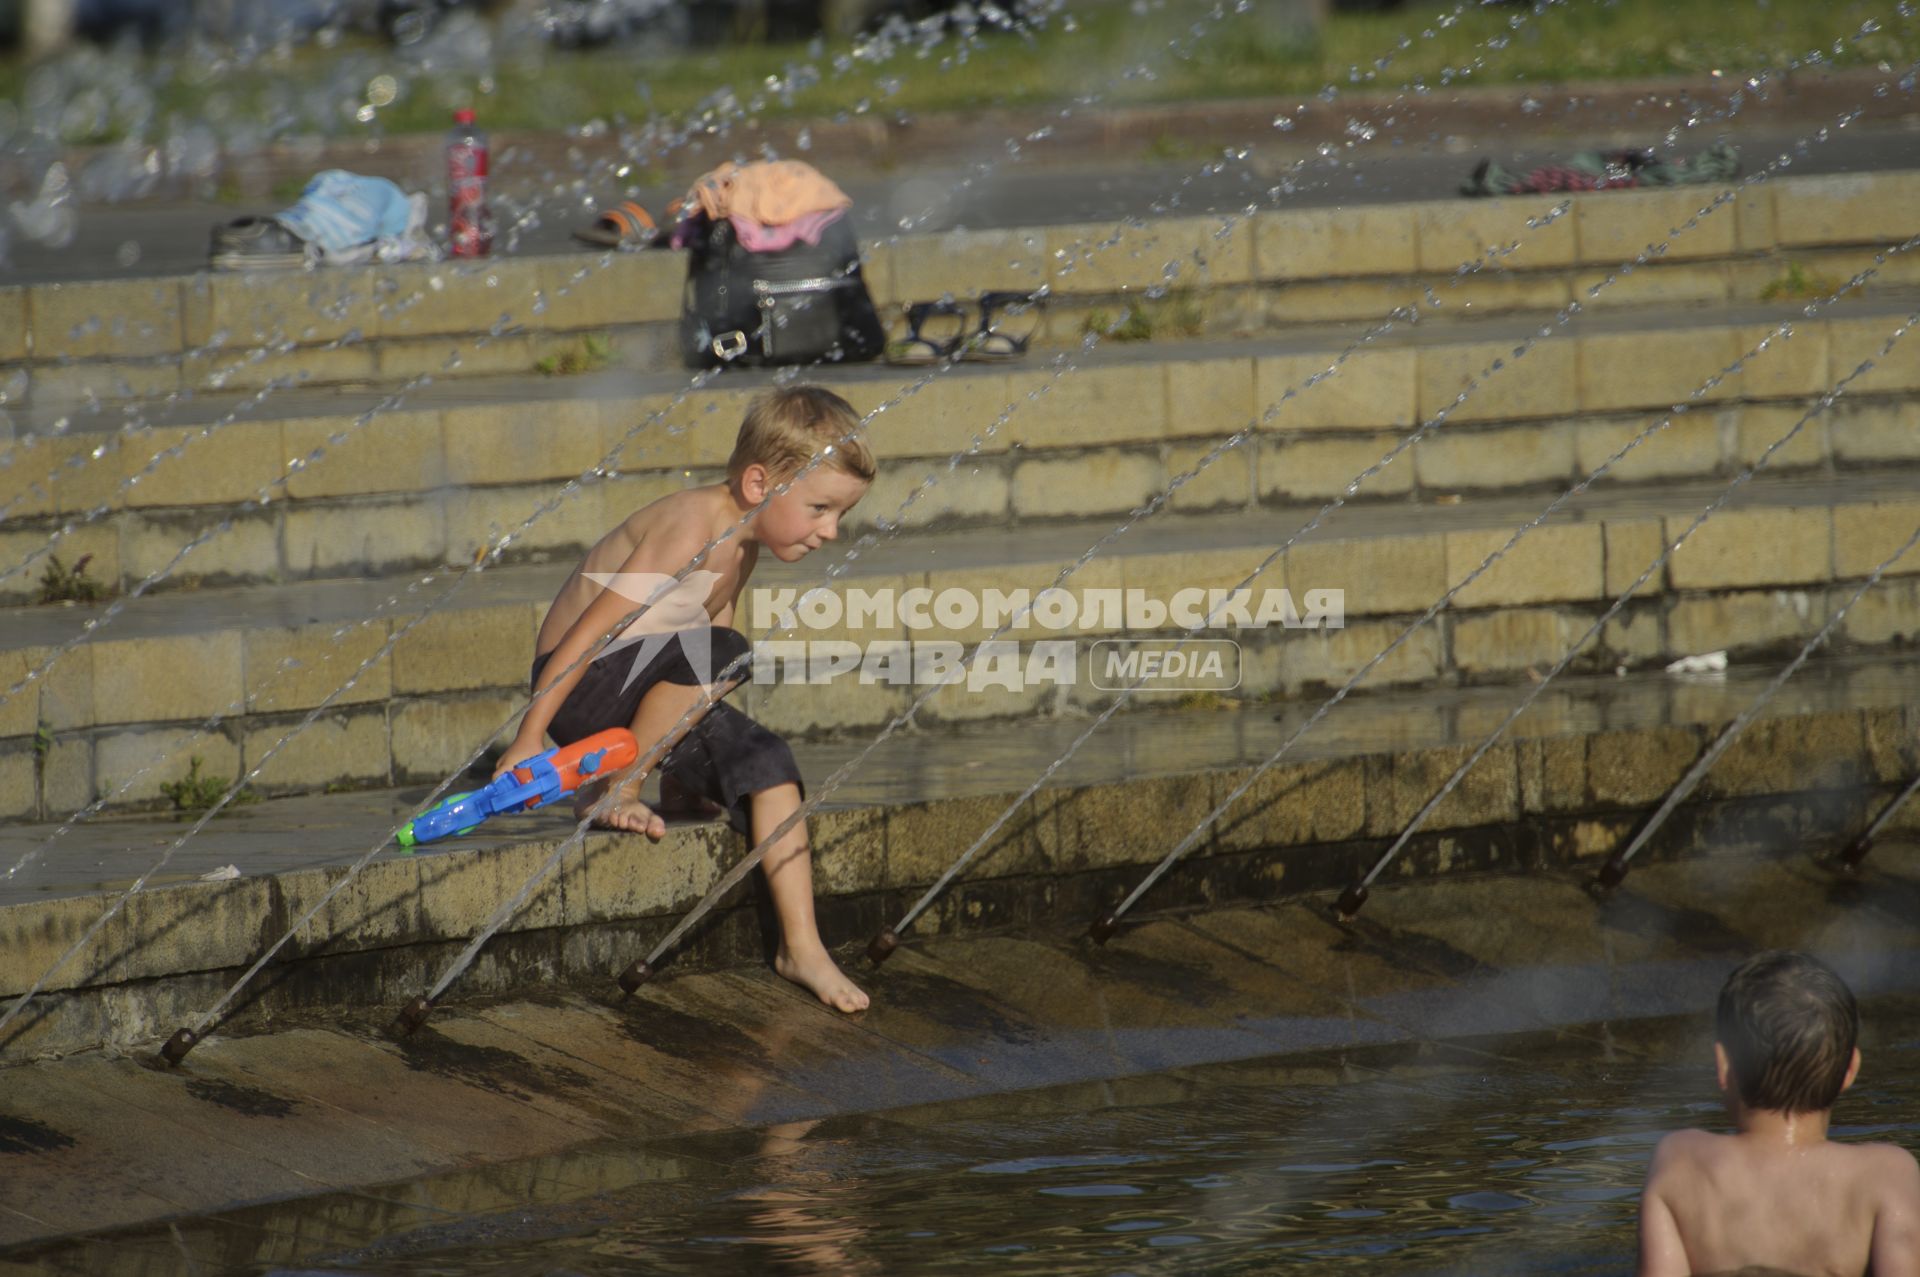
(627, 814)
(816, 972)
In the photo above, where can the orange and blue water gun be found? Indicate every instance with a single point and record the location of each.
(534, 783)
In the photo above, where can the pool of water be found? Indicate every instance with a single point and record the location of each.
(1523, 1155)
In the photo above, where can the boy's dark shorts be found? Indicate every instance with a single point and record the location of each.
(726, 758)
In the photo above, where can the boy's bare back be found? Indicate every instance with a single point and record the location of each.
(661, 538)
(1720, 1203)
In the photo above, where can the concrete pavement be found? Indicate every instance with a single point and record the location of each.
(170, 237)
(1048, 166)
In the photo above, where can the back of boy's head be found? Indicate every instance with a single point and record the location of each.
(784, 429)
(1788, 1025)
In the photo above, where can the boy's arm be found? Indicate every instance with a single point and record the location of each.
(663, 556)
(1896, 1225)
(1663, 1253)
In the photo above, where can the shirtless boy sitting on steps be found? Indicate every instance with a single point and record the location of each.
(662, 664)
(1775, 1196)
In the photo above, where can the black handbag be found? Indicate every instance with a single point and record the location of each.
(798, 305)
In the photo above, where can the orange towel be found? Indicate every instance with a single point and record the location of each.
(772, 192)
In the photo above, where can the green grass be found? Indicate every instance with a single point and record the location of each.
(1113, 53)
(1798, 284)
(594, 352)
(1203, 700)
(1178, 314)
(63, 584)
(195, 792)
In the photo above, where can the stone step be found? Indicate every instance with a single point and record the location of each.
(127, 707)
(80, 343)
(309, 485)
(1566, 788)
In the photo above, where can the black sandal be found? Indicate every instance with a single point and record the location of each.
(989, 344)
(916, 348)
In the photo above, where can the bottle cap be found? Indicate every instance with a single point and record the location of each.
(463, 116)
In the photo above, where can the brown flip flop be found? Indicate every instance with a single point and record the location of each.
(627, 226)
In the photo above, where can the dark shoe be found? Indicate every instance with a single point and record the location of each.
(256, 243)
(990, 344)
(918, 348)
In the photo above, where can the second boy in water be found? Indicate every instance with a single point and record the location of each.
(1776, 1195)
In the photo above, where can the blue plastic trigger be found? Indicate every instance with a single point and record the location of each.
(590, 763)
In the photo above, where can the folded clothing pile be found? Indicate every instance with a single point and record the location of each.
(341, 219)
(771, 205)
(1605, 171)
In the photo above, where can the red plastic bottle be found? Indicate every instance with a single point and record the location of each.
(469, 224)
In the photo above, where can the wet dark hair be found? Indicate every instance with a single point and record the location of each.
(1789, 1025)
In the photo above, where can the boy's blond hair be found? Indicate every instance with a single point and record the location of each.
(785, 428)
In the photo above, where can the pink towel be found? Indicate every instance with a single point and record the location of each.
(756, 238)
(772, 192)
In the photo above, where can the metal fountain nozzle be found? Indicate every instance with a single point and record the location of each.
(178, 1045)
(636, 975)
(1103, 928)
(411, 1017)
(1351, 901)
(1611, 874)
(1848, 861)
(881, 947)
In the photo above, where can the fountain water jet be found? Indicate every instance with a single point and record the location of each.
(1496, 252)
(105, 507)
(1103, 928)
(737, 873)
(1850, 859)
(209, 1016)
(1826, 401)
(1614, 871)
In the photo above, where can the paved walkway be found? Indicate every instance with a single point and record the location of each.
(1041, 189)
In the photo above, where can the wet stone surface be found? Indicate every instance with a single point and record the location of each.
(336, 829)
(1436, 975)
